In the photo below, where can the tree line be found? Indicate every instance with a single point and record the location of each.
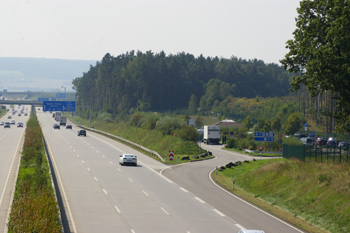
(159, 82)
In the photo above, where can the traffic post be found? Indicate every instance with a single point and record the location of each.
(171, 155)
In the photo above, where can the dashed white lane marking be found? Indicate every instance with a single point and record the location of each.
(70, 146)
(97, 151)
(88, 144)
(219, 213)
(131, 180)
(104, 191)
(78, 155)
(200, 200)
(103, 156)
(240, 226)
(82, 161)
(117, 209)
(184, 190)
(92, 147)
(145, 193)
(132, 231)
(73, 150)
(95, 178)
(110, 162)
(119, 169)
(164, 210)
(88, 169)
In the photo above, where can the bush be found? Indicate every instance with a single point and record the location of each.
(188, 133)
(231, 143)
(169, 125)
(105, 116)
(149, 121)
(136, 118)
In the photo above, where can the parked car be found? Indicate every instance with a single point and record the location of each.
(19, 124)
(343, 144)
(7, 125)
(127, 159)
(56, 126)
(68, 126)
(307, 141)
(330, 143)
(298, 136)
(82, 132)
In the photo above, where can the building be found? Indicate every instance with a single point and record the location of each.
(228, 123)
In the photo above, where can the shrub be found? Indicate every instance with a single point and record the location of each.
(188, 133)
(231, 143)
(105, 116)
(168, 125)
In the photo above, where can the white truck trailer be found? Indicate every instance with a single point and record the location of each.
(63, 120)
(211, 134)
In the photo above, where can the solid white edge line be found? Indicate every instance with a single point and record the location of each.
(117, 209)
(11, 167)
(164, 210)
(219, 213)
(105, 191)
(250, 204)
(200, 200)
(95, 178)
(145, 193)
(64, 193)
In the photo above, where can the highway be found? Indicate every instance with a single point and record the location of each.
(99, 195)
(195, 177)
(11, 142)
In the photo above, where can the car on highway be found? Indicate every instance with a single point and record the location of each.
(12, 122)
(68, 126)
(127, 159)
(56, 126)
(2, 123)
(25, 114)
(19, 114)
(9, 117)
(82, 132)
(19, 124)
(251, 231)
(7, 125)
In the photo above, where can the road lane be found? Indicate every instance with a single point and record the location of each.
(11, 142)
(103, 195)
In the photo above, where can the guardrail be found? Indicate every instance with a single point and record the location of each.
(125, 141)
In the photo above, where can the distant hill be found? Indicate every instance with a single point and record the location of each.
(40, 74)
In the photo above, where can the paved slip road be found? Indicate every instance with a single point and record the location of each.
(99, 195)
(195, 178)
(11, 142)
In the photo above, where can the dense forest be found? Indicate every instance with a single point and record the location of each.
(156, 82)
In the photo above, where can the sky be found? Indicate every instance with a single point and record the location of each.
(88, 29)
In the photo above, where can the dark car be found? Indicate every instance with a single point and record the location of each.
(299, 136)
(68, 127)
(331, 143)
(19, 114)
(56, 126)
(19, 124)
(25, 114)
(82, 132)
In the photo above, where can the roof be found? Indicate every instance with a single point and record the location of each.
(228, 123)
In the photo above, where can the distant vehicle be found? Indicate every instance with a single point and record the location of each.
(211, 134)
(25, 114)
(127, 159)
(12, 122)
(68, 127)
(9, 117)
(299, 136)
(2, 123)
(341, 144)
(19, 124)
(330, 143)
(82, 132)
(56, 126)
(63, 120)
(7, 125)
(251, 231)
(19, 114)
(307, 141)
(39, 109)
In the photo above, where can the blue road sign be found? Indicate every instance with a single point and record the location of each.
(232, 133)
(43, 99)
(63, 106)
(60, 96)
(305, 125)
(53, 99)
(264, 139)
(263, 134)
(312, 134)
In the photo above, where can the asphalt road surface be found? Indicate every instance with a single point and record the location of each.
(11, 142)
(195, 177)
(99, 195)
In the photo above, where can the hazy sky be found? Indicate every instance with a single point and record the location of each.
(88, 29)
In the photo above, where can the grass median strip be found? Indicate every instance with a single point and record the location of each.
(311, 196)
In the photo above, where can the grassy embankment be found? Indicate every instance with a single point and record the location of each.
(34, 208)
(300, 193)
(150, 139)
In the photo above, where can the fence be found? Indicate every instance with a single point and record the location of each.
(327, 154)
(339, 136)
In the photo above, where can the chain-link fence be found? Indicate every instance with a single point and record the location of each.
(327, 154)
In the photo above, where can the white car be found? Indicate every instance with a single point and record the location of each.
(127, 159)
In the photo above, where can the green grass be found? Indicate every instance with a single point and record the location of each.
(308, 193)
(150, 139)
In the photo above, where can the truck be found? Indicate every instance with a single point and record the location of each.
(211, 134)
(63, 120)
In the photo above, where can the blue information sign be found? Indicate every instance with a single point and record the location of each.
(264, 139)
(63, 106)
(263, 134)
(312, 134)
(60, 96)
(43, 99)
(305, 125)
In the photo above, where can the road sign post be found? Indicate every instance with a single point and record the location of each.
(171, 155)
